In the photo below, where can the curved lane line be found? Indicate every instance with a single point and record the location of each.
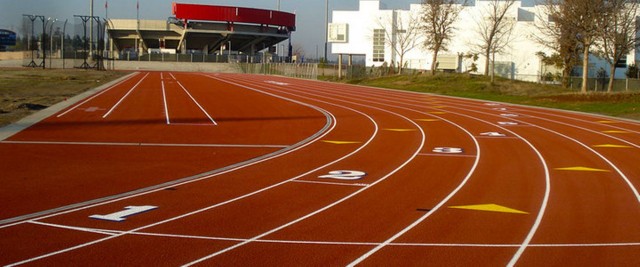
(630, 184)
(329, 126)
(415, 154)
(442, 202)
(214, 206)
(541, 211)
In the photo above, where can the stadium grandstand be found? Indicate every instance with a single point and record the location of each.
(202, 29)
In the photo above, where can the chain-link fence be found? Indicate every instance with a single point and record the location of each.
(296, 70)
(52, 43)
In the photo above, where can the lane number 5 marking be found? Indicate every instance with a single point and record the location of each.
(344, 175)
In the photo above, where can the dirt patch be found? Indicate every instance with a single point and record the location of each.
(25, 91)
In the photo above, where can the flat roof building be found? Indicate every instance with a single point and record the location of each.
(369, 32)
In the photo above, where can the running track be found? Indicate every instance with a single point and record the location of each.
(228, 169)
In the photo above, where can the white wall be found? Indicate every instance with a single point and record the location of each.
(521, 53)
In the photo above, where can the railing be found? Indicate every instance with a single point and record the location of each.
(296, 70)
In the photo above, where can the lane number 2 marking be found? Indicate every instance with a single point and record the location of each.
(121, 215)
(344, 175)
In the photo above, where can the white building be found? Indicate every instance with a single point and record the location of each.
(362, 33)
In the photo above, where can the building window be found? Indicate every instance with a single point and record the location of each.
(378, 45)
(622, 62)
(525, 15)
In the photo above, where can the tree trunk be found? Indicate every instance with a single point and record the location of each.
(566, 78)
(493, 68)
(435, 58)
(585, 69)
(612, 77)
(486, 63)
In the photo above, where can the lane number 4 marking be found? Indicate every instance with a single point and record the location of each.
(344, 175)
(121, 215)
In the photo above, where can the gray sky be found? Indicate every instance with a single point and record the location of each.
(310, 13)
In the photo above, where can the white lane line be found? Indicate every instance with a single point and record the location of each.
(584, 129)
(526, 242)
(542, 160)
(335, 243)
(198, 104)
(141, 144)
(330, 183)
(80, 229)
(192, 124)
(304, 143)
(447, 155)
(411, 158)
(94, 96)
(125, 96)
(166, 107)
(321, 133)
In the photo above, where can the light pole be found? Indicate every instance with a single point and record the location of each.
(278, 5)
(326, 32)
(64, 28)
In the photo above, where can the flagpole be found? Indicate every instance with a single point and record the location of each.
(138, 27)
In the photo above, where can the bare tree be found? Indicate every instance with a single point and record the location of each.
(580, 21)
(495, 29)
(560, 38)
(298, 50)
(403, 34)
(438, 19)
(618, 33)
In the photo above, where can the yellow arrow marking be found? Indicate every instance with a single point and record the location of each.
(427, 120)
(401, 130)
(341, 142)
(608, 122)
(616, 131)
(581, 169)
(611, 146)
(489, 207)
(438, 112)
(440, 107)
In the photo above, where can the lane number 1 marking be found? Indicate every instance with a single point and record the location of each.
(344, 175)
(448, 150)
(121, 215)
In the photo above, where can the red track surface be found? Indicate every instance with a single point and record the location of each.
(233, 165)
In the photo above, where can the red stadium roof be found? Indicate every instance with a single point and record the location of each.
(234, 14)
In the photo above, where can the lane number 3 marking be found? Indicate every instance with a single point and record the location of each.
(344, 175)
